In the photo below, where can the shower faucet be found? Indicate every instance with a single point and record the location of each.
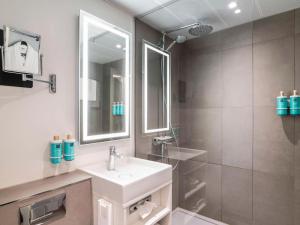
(163, 141)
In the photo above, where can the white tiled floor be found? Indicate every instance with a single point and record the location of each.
(184, 217)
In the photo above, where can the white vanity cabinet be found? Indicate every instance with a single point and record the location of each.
(119, 195)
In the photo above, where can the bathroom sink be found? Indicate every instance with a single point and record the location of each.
(132, 178)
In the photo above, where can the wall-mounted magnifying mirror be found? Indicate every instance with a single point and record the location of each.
(156, 88)
(104, 80)
(21, 51)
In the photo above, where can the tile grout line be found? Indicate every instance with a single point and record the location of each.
(252, 170)
(294, 120)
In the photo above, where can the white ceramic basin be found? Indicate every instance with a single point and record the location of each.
(132, 178)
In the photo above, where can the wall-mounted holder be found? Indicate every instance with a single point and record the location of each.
(21, 79)
(288, 105)
(51, 81)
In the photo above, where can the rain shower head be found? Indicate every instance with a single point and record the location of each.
(200, 29)
(195, 29)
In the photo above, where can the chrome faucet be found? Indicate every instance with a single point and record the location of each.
(112, 158)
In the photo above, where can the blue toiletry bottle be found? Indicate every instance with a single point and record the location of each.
(295, 104)
(118, 108)
(69, 153)
(56, 150)
(114, 109)
(121, 109)
(282, 105)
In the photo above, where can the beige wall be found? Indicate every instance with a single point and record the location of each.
(30, 117)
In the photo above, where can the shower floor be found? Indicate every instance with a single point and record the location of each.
(184, 217)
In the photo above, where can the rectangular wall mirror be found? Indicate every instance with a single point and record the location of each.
(156, 88)
(103, 81)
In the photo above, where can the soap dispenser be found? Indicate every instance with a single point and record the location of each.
(69, 153)
(114, 108)
(282, 104)
(56, 150)
(121, 109)
(295, 104)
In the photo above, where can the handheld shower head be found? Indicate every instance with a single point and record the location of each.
(179, 39)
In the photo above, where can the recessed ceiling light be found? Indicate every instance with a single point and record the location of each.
(232, 5)
(118, 46)
(237, 11)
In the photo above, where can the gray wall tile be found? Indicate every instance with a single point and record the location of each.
(272, 199)
(297, 172)
(206, 44)
(237, 76)
(297, 21)
(273, 148)
(207, 90)
(297, 60)
(237, 137)
(236, 196)
(212, 178)
(273, 27)
(236, 37)
(206, 136)
(273, 70)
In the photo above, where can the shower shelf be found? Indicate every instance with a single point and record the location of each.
(200, 207)
(195, 190)
(194, 169)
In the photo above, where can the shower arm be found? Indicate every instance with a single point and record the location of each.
(179, 28)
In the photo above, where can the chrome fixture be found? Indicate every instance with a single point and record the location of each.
(198, 29)
(179, 39)
(112, 158)
(51, 81)
(163, 141)
(195, 29)
(43, 212)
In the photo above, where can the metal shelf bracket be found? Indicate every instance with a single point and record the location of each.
(51, 82)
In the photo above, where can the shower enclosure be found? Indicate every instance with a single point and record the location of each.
(238, 162)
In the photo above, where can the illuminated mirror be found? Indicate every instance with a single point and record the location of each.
(156, 88)
(104, 80)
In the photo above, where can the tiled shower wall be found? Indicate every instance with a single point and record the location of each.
(233, 77)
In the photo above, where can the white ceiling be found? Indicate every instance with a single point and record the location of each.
(102, 46)
(167, 14)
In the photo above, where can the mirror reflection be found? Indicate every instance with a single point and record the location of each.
(104, 82)
(156, 89)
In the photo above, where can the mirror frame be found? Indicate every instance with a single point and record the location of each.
(147, 45)
(86, 19)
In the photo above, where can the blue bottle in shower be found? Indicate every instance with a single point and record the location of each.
(295, 104)
(282, 105)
